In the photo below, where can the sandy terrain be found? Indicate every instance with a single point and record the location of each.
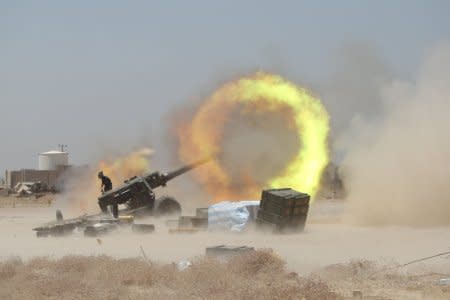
(13, 201)
(345, 256)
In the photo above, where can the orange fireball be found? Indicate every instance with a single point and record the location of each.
(258, 94)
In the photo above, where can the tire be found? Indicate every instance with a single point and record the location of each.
(166, 206)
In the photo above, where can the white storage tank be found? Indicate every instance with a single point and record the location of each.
(52, 159)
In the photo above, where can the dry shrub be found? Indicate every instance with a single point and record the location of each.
(315, 288)
(256, 275)
(355, 269)
(264, 261)
(8, 267)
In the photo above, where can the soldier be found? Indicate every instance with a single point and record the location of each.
(106, 182)
(106, 186)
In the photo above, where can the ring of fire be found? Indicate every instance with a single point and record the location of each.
(268, 92)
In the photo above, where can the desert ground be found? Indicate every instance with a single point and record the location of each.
(330, 260)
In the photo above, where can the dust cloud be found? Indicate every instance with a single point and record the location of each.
(397, 169)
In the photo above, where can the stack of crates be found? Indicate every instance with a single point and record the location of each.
(283, 209)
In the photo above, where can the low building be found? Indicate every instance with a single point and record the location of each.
(47, 177)
(51, 166)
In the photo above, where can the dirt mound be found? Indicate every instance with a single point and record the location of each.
(383, 280)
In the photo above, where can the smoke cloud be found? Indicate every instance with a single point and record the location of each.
(397, 167)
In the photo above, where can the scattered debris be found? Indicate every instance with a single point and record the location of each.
(23, 188)
(91, 226)
(184, 230)
(142, 228)
(183, 265)
(29, 188)
(99, 229)
(226, 252)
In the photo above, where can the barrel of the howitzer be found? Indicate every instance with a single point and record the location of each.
(184, 169)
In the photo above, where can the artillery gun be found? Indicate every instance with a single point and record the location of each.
(137, 193)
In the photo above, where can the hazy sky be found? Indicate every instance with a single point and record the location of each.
(103, 75)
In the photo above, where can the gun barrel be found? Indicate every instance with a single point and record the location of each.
(185, 169)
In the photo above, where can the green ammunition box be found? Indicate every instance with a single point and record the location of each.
(286, 197)
(280, 220)
(276, 208)
(284, 209)
(284, 202)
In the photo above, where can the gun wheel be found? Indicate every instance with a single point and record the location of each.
(167, 206)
